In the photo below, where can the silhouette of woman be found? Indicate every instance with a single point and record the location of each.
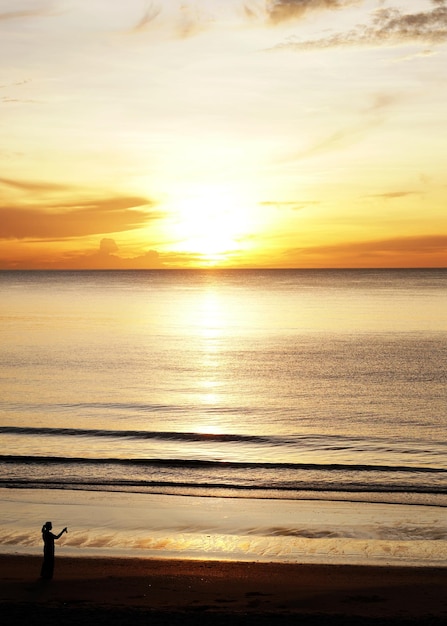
(48, 550)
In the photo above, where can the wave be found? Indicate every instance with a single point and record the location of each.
(201, 463)
(323, 442)
(135, 434)
(250, 471)
(207, 478)
(336, 491)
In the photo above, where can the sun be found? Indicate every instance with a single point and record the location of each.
(211, 222)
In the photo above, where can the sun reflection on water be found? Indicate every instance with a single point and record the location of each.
(212, 329)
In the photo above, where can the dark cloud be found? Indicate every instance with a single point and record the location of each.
(282, 10)
(79, 219)
(388, 26)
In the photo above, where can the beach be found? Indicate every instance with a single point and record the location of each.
(157, 591)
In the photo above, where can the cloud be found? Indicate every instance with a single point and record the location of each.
(283, 10)
(105, 215)
(192, 21)
(104, 258)
(189, 17)
(186, 19)
(391, 195)
(412, 251)
(149, 15)
(33, 186)
(8, 100)
(12, 100)
(6, 16)
(16, 84)
(14, 15)
(107, 258)
(108, 246)
(43, 212)
(388, 26)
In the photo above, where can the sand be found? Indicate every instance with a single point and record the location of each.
(136, 591)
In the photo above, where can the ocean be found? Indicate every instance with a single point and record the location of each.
(295, 415)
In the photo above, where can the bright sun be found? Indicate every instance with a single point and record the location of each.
(210, 223)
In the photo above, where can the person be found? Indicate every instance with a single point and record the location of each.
(48, 550)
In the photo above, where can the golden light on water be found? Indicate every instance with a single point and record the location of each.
(212, 323)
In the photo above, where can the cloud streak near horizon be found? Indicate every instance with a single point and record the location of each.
(416, 246)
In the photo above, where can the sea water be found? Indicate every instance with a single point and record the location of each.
(277, 414)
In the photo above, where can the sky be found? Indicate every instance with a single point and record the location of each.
(223, 133)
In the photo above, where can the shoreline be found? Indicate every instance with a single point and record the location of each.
(120, 525)
(170, 590)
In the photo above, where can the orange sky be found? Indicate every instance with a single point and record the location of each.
(245, 133)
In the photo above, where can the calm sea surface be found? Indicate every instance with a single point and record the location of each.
(276, 385)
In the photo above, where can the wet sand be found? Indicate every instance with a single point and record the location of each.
(119, 591)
